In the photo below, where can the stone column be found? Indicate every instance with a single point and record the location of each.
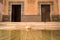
(59, 6)
(57, 10)
(56, 7)
(1, 9)
(5, 7)
(5, 16)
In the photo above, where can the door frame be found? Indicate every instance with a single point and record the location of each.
(46, 3)
(10, 8)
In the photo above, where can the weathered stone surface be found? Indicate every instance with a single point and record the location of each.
(30, 35)
(4, 34)
(15, 35)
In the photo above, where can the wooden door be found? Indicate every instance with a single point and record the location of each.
(45, 13)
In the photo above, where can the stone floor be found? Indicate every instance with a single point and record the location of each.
(30, 35)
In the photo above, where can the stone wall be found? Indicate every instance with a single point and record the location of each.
(31, 9)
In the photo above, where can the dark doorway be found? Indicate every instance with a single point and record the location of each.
(16, 13)
(45, 13)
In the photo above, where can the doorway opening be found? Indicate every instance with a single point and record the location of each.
(16, 13)
(45, 12)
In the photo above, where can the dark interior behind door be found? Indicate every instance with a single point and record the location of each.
(16, 13)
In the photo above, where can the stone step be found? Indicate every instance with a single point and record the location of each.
(31, 25)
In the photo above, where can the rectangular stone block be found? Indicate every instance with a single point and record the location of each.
(31, 18)
(56, 18)
(5, 18)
